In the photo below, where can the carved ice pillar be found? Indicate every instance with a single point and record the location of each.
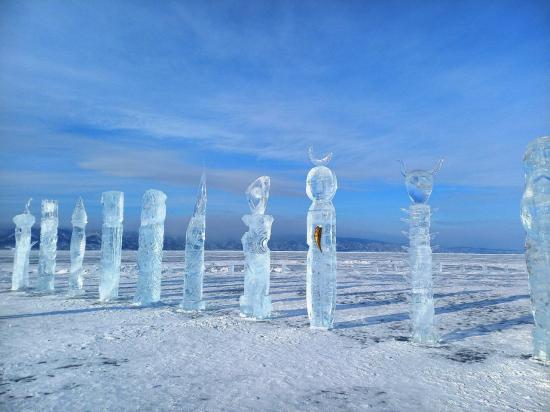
(256, 301)
(23, 225)
(419, 187)
(111, 244)
(48, 246)
(151, 239)
(194, 253)
(535, 216)
(321, 187)
(78, 247)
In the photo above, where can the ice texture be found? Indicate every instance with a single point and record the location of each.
(256, 301)
(78, 246)
(419, 184)
(48, 246)
(151, 239)
(535, 216)
(111, 244)
(194, 253)
(23, 225)
(321, 186)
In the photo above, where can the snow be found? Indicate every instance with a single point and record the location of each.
(79, 354)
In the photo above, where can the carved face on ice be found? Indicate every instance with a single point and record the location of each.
(419, 183)
(321, 183)
(258, 194)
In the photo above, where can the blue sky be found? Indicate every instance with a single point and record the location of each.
(129, 96)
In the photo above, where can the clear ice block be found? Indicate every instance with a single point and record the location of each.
(321, 186)
(194, 253)
(48, 247)
(256, 301)
(78, 247)
(151, 239)
(23, 225)
(535, 216)
(111, 244)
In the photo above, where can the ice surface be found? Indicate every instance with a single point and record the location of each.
(419, 185)
(48, 246)
(256, 301)
(535, 215)
(194, 253)
(321, 186)
(78, 247)
(111, 244)
(23, 225)
(151, 239)
(71, 355)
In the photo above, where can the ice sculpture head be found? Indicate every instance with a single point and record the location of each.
(153, 207)
(200, 206)
(258, 195)
(25, 219)
(113, 208)
(535, 204)
(321, 183)
(79, 217)
(419, 183)
(49, 209)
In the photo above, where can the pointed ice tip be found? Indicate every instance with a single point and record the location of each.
(27, 205)
(79, 218)
(200, 205)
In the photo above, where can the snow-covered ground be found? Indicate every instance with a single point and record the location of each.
(63, 354)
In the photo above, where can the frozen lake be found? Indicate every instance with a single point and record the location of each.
(76, 354)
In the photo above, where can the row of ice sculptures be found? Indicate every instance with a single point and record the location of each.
(321, 186)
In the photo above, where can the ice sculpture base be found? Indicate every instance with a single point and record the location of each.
(193, 305)
(255, 308)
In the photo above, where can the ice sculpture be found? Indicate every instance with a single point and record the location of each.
(535, 215)
(111, 244)
(151, 239)
(23, 225)
(194, 253)
(256, 302)
(321, 186)
(78, 247)
(419, 185)
(48, 246)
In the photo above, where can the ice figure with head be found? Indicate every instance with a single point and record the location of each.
(151, 239)
(419, 184)
(48, 246)
(256, 301)
(194, 253)
(78, 246)
(23, 225)
(321, 186)
(111, 244)
(535, 216)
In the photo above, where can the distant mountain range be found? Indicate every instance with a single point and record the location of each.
(292, 243)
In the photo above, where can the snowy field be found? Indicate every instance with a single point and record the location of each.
(63, 354)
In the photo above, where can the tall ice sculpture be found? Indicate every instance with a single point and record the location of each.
(321, 186)
(194, 253)
(23, 225)
(256, 302)
(48, 246)
(535, 215)
(151, 239)
(111, 244)
(78, 246)
(419, 185)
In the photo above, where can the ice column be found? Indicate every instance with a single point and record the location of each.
(256, 302)
(321, 187)
(535, 215)
(194, 253)
(23, 225)
(419, 185)
(111, 244)
(48, 246)
(78, 246)
(151, 239)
